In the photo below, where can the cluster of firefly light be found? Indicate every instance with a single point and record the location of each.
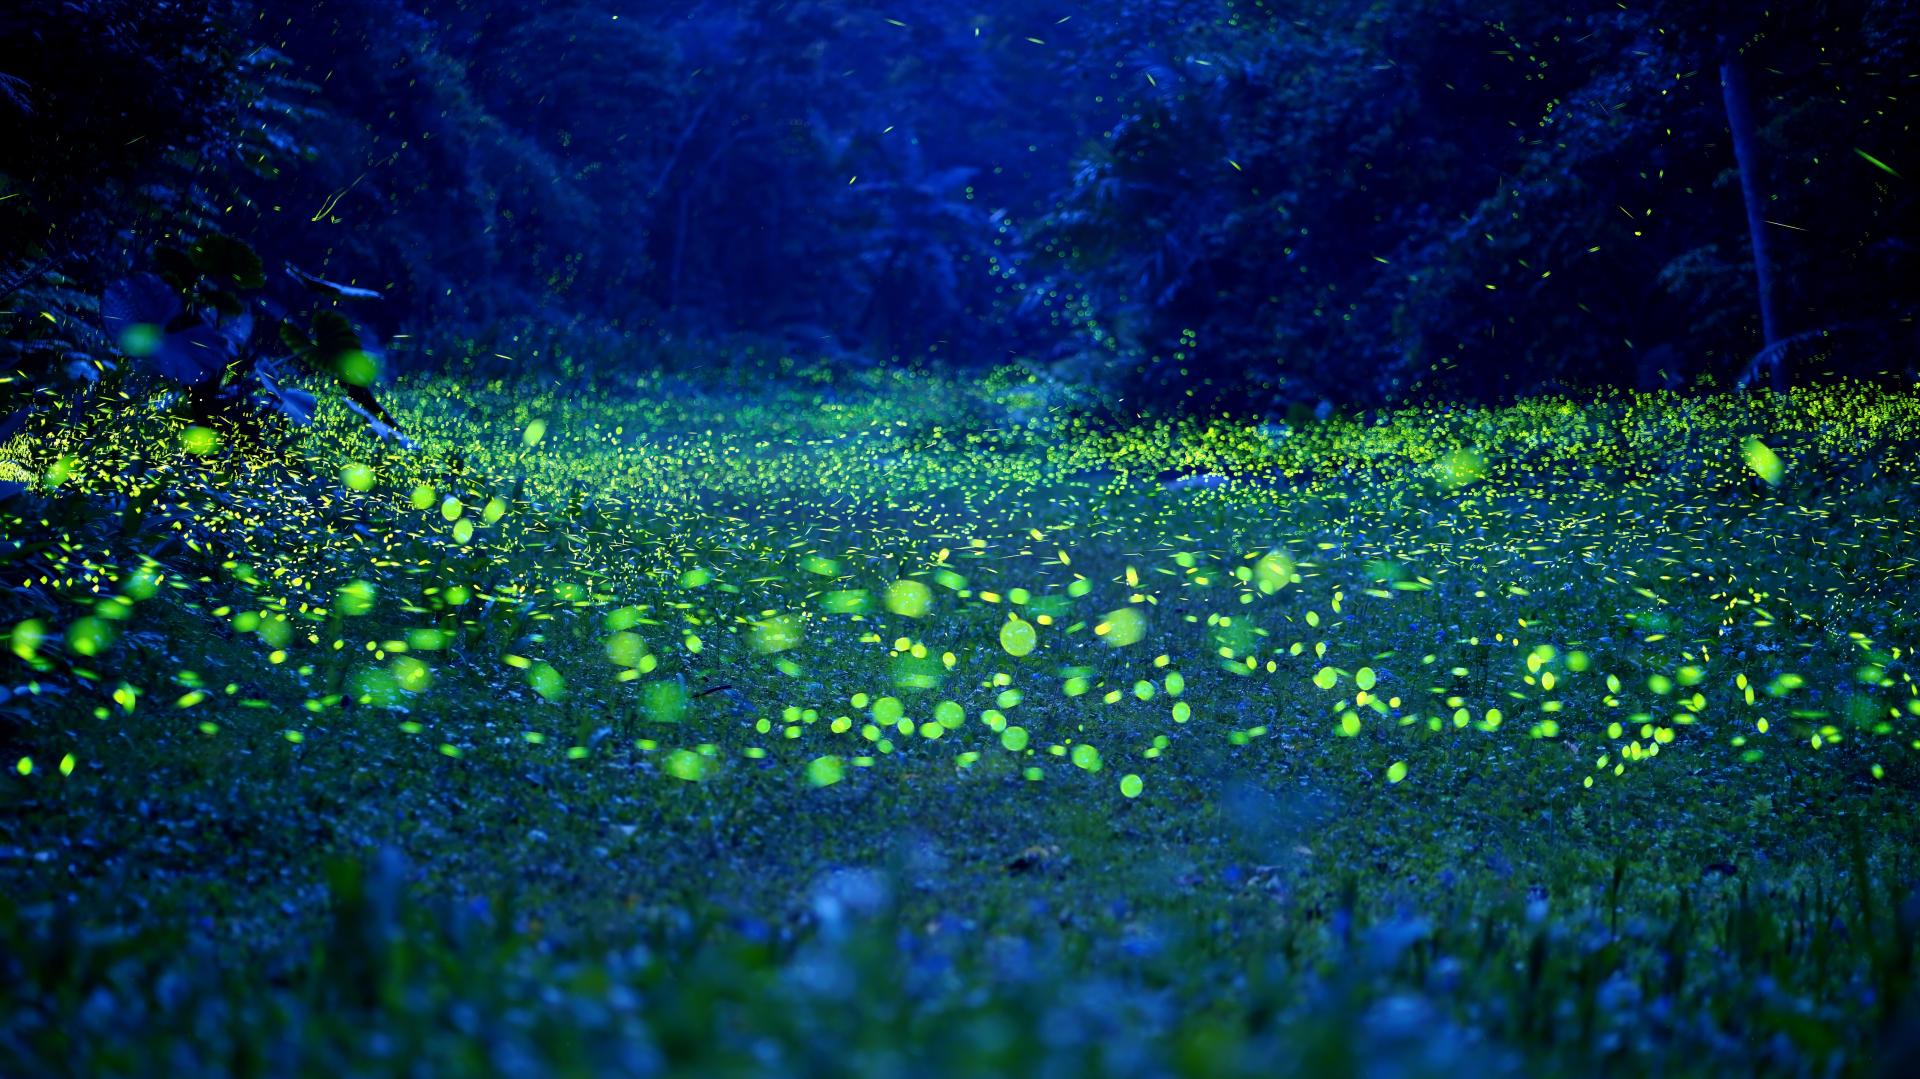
(956, 571)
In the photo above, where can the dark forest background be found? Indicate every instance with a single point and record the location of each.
(1253, 205)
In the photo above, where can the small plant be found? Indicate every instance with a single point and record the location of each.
(190, 326)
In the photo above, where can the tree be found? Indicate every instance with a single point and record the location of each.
(1746, 153)
(1369, 200)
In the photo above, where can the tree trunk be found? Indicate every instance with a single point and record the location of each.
(1746, 152)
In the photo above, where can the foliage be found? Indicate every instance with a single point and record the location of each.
(1193, 201)
(1367, 199)
(139, 99)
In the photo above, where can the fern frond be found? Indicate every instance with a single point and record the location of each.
(13, 91)
(13, 279)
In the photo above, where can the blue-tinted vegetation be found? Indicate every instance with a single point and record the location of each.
(790, 537)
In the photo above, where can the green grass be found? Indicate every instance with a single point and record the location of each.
(1573, 737)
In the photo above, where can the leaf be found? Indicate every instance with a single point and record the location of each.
(192, 357)
(236, 329)
(222, 302)
(333, 341)
(333, 337)
(140, 299)
(141, 313)
(175, 265)
(290, 401)
(297, 342)
(14, 91)
(225, 258)
(331, 288)
(364, 403)
(17, 277)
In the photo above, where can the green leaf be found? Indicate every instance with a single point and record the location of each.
(226, 259)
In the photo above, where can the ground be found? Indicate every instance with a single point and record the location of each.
(894, 722)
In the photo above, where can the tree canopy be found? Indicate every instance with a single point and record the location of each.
(1260, 204)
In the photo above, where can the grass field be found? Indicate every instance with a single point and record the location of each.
(895, 725)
